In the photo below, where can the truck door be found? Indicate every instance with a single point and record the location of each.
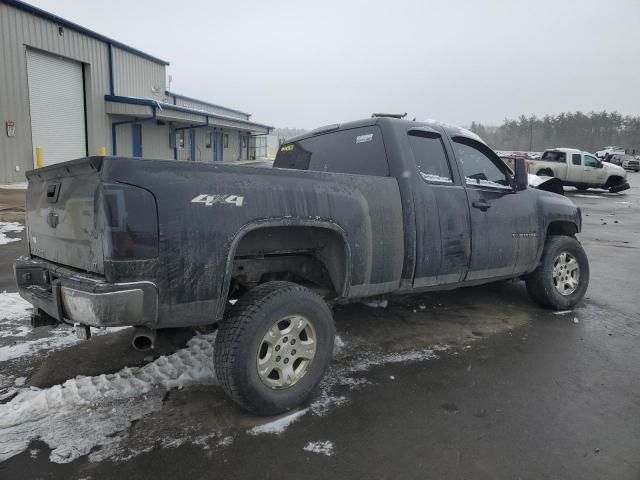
(503, 222)
(592, 171)
(443, 244)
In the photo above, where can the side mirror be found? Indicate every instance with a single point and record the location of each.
(600, 165)
(521, 174)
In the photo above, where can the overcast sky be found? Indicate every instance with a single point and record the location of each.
(304, 64)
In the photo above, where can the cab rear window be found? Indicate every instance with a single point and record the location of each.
(357, 151)
(551, 156)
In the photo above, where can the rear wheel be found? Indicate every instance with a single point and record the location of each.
(273, 348)
(562, 278)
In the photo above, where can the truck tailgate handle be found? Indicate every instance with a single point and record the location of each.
(482, 205)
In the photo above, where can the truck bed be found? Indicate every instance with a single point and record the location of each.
(202, 212)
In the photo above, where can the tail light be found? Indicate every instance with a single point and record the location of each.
(131, 223)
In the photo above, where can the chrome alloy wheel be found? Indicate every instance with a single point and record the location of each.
(566, 273)
(286, 352)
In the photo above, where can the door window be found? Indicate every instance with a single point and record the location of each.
(576, 159)
(430, 156)
(480, 165)
(590, 161)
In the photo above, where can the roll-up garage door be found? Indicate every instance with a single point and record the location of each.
(56, 101)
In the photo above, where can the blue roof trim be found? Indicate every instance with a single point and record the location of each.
(168, 106)
(184, 97)
(78, 28)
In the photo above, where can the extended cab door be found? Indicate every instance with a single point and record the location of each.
(592, 171)
(503, 222)
(443, 244)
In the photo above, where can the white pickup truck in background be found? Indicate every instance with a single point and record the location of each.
(579, 169)
(611, 150)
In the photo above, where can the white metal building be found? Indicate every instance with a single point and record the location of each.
(70, 92)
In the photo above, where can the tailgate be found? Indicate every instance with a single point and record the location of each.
(61, 214)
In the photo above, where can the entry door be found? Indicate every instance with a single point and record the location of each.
(136, 137)
(442, 218)
(502, 233)
(56, 107)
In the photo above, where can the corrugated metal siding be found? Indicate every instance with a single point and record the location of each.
(208, 108)
(19, 30)
(134, 76)
(155, 141)
(125, 141)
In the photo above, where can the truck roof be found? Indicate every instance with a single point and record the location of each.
(565, 149)
(451, 130)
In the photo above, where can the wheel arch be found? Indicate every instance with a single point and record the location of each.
(561, 227)
(337, 259)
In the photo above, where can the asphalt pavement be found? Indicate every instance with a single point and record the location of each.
(477, 383)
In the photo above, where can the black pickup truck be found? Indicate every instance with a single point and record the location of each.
(376, 207)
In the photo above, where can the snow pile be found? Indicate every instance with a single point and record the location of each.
(278, 426)
(322, 448)
(84, 412)
(9, 227)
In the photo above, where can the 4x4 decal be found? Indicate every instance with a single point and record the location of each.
(210, 200)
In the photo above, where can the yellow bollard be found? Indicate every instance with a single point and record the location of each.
(103, 152)
(39, 157)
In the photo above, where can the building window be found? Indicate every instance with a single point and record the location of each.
(179, 139)
(208, 140)
(226, 140)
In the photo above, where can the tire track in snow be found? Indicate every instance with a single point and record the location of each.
(80, 414)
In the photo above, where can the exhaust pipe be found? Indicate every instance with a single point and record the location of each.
(144, 339)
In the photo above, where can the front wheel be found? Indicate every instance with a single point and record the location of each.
(562, 277)
(272, 349)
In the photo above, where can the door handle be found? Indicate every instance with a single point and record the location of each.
(482, 205)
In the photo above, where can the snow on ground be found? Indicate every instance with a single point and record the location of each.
(280, 425)
(322, 448)
(92, 415)
(15, 322)
(84, 412)
(587, 196)
(9, 227)
(14, 186)
(13, 312)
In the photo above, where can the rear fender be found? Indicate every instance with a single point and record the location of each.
(342, 290)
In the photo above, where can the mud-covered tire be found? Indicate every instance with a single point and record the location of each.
(540, 283)
(241, 335)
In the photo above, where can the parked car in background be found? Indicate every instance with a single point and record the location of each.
(611, 150)
(579, 169)
(628, 162)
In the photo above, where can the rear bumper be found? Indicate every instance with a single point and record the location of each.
(73, 297)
